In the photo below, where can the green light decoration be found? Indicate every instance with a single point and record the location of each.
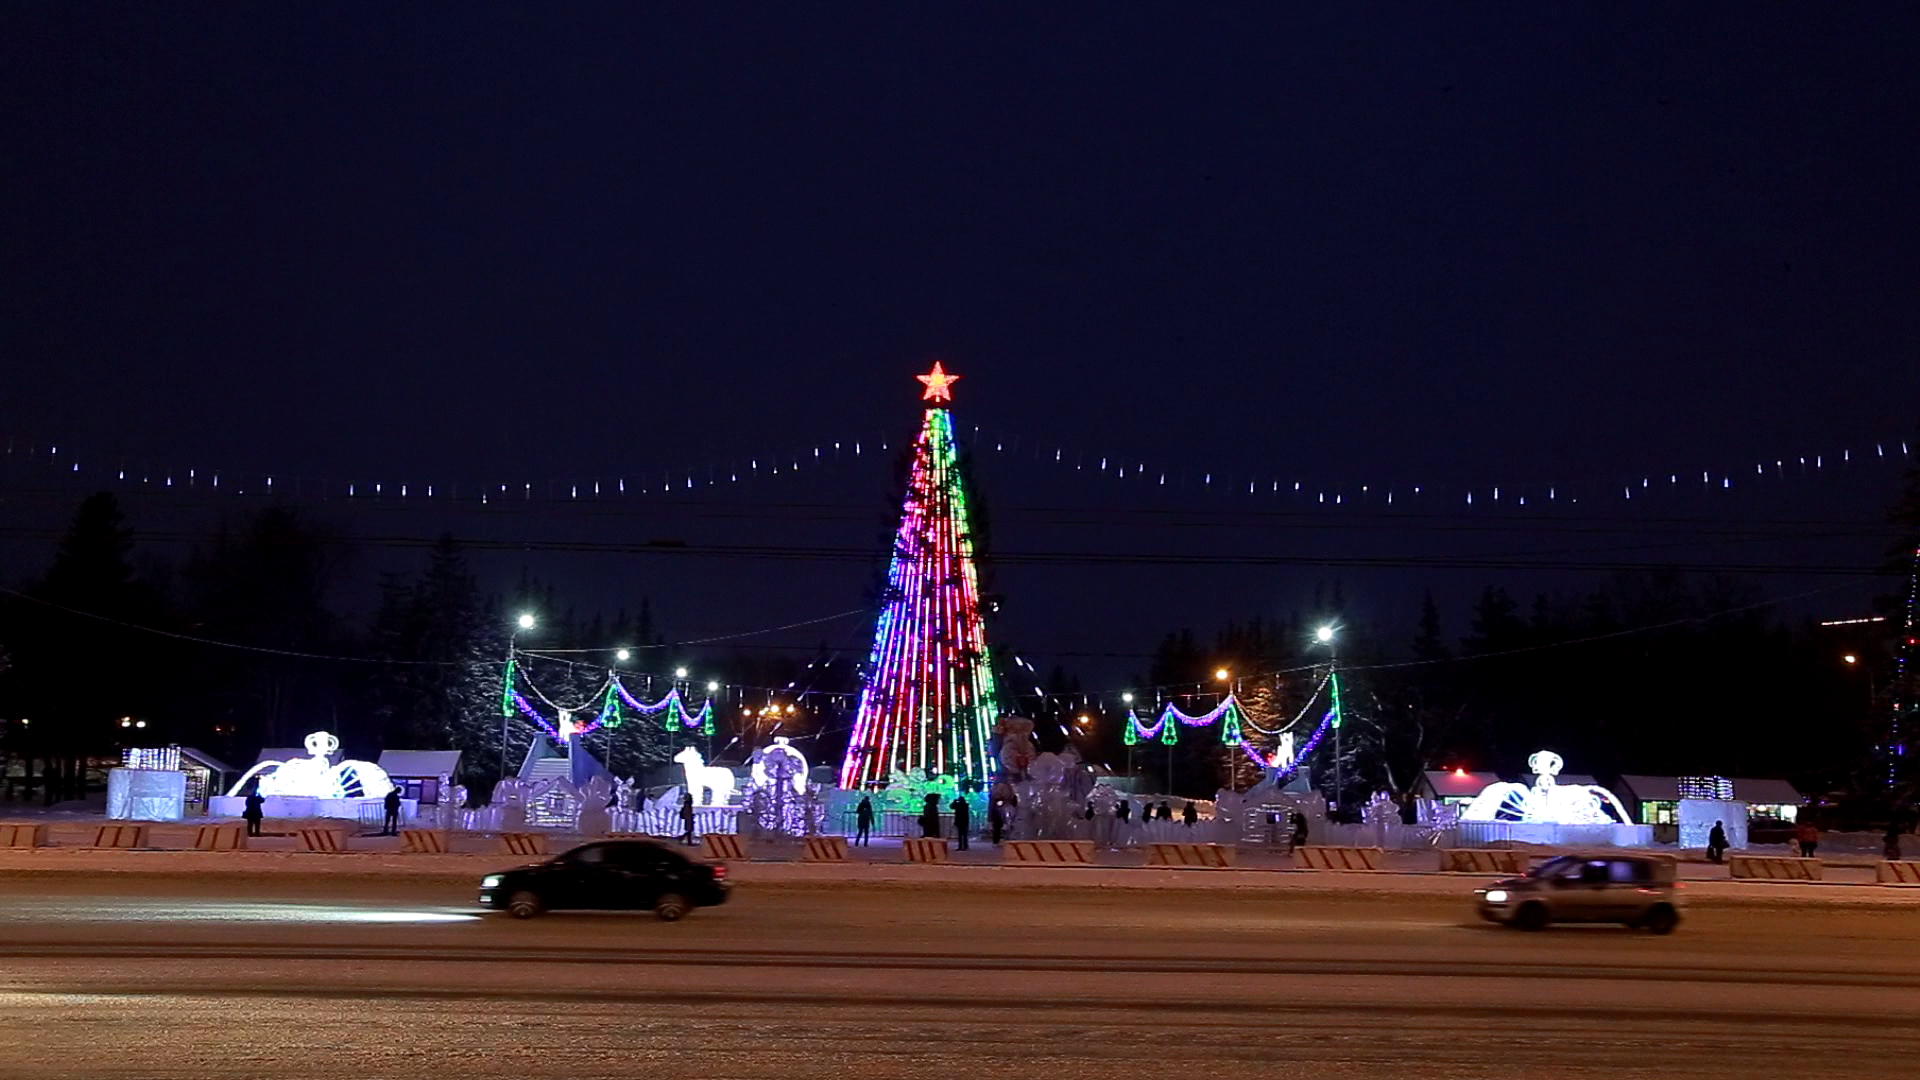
(1130, 733)
(610, 708)
(1334, 679)
(1169, 732)
(706, 718)
(1230, 727)
(506, 690)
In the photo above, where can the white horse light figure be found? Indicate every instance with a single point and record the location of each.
(1547, 802)
(316, 777)
(710, 784)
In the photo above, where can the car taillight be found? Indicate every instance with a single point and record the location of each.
(719, 872)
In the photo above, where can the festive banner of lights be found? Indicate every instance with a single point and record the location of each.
(1167, 732)
(928, 697)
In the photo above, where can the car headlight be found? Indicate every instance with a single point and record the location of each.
(1496, 896)
(491, 881)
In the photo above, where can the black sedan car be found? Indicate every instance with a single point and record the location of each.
(611, 875)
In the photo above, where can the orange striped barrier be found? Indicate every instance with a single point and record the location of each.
(1895, 872)
(924, 849)
(322, 838)
(1048, 852)
(120, 836)
(825, 849)
(22, 834)
(1773, 868)
(219, 838)
(1483, 861)
(1337, 858)
(523, 843)
(1190, 856)
(723, 846)
(423, 841)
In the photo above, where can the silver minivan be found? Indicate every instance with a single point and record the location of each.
(1636, 890)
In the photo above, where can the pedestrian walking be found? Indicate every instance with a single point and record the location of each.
(255, 811)
(930, 818)
(996, 821)
(391, 826)
(1188, 814)
(1809, 838)
(1716, 842)
(1166, 810)
(962, 822)
(1892, 846)
(686, 817)
(1123, 811)
(863, 821)
(1299, 837)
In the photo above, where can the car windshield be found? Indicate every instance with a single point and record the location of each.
(1555, 867)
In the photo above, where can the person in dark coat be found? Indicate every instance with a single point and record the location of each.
(1299, 830)
(996, 820)
(930, 818)
(1188, 814)
(686, 818)
(1716, 842)
(962, 822)
(1891, 848)
(1166, 810)
(391, 826)
(1123, 811)
(256, 810)
(863, 821)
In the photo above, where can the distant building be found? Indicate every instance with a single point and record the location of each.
(1453, 787)
(1655, 800)
(417, 773)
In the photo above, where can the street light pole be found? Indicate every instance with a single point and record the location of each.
(524, 622)
(1325, 637)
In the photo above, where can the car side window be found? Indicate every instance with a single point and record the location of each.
(588, 856)
(1629, 872)
(1594, 873)
(638, 857)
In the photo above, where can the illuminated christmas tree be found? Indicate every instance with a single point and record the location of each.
(927, 697)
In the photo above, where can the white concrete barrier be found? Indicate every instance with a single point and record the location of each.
(423, 841)
(1773, 868)
(1483, 861)
(220, 838)
(1897, 872)
(523, 843)
(22, 834)
(120, 836)
(1337, 858)
(825, 849)
(1047, 852)
(924, 849)
(1190, 856)
(322, 838)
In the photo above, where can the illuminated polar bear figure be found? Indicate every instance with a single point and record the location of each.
(1547, 802)
(711, 785)
(316, 777)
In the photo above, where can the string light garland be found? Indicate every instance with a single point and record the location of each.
(928, 697)
(1317, 493)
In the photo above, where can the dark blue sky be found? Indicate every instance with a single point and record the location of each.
(479, 243)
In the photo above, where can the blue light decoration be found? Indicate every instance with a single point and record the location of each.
(927, 698)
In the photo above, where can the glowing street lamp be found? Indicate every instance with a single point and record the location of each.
(526, 621)
(679, 673)
(1222, 674)
(1850, 658)
(1127, 697)
(1324, 635)
(623, 656)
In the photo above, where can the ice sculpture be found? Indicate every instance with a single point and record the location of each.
(316, 777)
(1547, 802)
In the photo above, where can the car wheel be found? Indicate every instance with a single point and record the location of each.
(1661, 920)
(1531, 917)
(671, 907)
(524, 904)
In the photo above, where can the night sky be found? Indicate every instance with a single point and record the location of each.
(473, 244)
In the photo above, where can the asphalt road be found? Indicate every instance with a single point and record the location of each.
(152, 976)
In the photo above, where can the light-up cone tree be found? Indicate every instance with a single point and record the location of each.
(927, 698)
